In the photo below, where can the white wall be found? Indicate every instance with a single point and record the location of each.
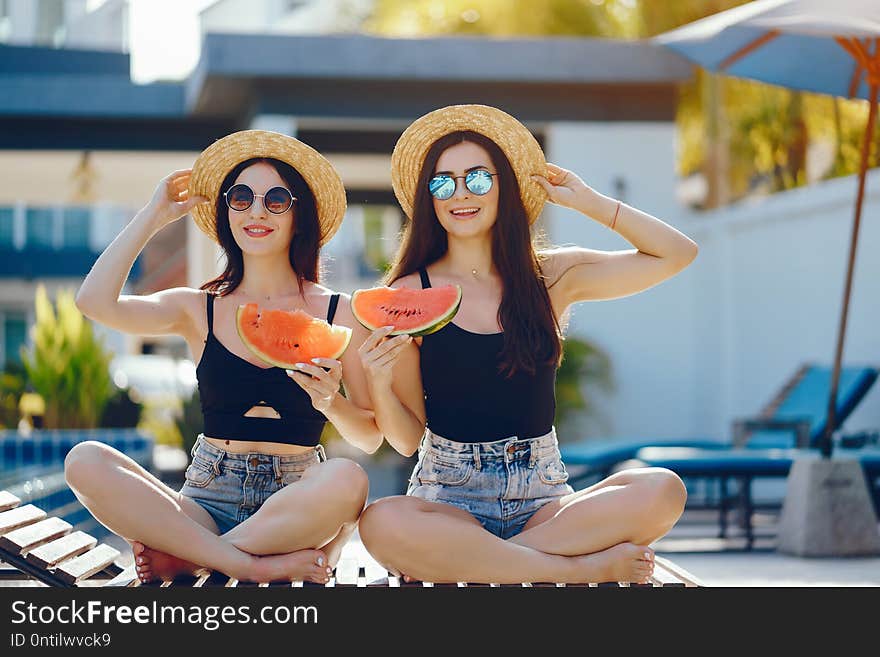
(764, 295)
(771, 276)
(647, 336)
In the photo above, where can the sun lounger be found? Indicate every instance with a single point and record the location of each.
(38, 548)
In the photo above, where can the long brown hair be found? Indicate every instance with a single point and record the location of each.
(532, 335)
(303, 250)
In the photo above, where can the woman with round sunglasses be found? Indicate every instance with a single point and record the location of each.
(261, 502)
(488, 500)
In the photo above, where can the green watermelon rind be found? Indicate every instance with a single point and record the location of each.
(269, 360)
(418, 331)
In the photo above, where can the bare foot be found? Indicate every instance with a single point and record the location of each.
(333, 549)
(621, 563)
(302, 565)
(152, 564)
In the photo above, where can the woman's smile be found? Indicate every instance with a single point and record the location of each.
(464, 212)
(257, 230)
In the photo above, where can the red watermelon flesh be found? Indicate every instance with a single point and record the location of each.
(285, 337)
(412, 311)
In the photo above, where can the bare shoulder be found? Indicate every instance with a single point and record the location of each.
(191, 300)
(344, 315)
(316, 290)
(410, 280)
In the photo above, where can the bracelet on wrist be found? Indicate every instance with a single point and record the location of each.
(616, 213)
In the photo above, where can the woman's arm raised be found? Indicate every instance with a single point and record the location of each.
(99, 295)
(579, 274)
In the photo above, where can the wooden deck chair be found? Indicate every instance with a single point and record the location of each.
(45, 549)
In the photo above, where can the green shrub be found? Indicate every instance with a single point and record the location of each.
(584, 367)
(67, 364)
(12, 385)
(189, 422)
(121, 411)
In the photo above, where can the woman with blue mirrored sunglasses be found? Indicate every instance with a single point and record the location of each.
(488, 499)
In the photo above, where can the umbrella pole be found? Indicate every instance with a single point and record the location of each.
(826, 443)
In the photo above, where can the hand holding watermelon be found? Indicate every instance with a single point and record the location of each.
(171, 199)
(378, 354)
(321, 381)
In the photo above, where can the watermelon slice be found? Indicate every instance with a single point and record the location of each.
(413, 311)
(284, 338)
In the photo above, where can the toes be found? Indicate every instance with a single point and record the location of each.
(137, 547)
(321, 575)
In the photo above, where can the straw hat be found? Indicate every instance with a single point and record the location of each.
(514, 139)
(218, 159)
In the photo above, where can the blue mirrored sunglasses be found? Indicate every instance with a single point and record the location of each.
(478, 182)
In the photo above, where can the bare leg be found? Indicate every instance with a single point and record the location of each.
(152, 564)
(307, 513)
(275, 530)
(437, 542)
(632, 506)
(111, 486)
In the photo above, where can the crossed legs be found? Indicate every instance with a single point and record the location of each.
(279, 542)
(597, 534)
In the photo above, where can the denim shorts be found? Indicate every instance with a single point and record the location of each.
(232, 487)
(501, 483)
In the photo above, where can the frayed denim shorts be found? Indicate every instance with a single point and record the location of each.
(501, 483)
(232, 487)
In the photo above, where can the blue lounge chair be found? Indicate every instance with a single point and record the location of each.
(769, 453)
(795, 416)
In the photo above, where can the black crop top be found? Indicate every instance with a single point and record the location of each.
(229, 386)
(468, 400)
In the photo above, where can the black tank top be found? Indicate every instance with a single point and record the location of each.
(468, 400)
(229, 386)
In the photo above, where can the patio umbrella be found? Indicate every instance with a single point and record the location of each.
(812, 45)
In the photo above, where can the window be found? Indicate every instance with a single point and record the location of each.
(6, 221)
(75, 223)
(50, 21)
(5, 21)
(14, 336)
(39, 228)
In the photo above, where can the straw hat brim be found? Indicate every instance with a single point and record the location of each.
(218, 159)
(514, 139)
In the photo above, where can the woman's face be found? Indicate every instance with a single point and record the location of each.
(465, 214)
(256, 230)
